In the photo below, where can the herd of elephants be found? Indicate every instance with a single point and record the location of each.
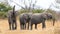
(30, 18)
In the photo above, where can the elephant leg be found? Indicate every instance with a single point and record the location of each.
(9, 26)
(21, 26)
(24, 26)
(9, 22)
(43, 24)
(35, 26)
(12, 26)
(31, 26)
(15, 26)
(28, 26)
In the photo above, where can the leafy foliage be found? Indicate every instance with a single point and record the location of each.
(3, 14)
(4, 9)
(38, 11)
(34, 11)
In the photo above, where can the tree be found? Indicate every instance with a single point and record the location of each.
(57, 4)
(28, 8)
(58, 1)
(4, 7)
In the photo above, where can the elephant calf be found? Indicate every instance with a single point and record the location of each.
(24, 18)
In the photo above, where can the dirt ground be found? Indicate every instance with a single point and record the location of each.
(50, 29)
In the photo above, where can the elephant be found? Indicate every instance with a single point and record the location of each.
(38, 18)
(29, 17)
(12, 19)
(24, 18)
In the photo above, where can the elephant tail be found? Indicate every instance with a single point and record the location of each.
(13, 9)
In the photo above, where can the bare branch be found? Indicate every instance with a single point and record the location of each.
(30, 5)
(34, 4)
(49, 7)
(18, 4)
(25, 4)
(58, 1)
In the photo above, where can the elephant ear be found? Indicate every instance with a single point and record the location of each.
(9, 13)
(29, 15)
(49, 16)
(44, 16)
(25, 16)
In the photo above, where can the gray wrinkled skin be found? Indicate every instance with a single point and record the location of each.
(38, 18)
(35, 18)
(12, 19)
(24, 18)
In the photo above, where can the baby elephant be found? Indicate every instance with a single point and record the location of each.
(38, 18)
(24, 18)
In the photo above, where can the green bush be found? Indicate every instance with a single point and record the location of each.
(38, 11)
(4, 9)
(3, 14)
(34, 11)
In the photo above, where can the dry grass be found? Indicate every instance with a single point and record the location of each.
(50, 29)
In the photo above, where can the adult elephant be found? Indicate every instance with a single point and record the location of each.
(24, 18)
(12, 19)
(38, 18)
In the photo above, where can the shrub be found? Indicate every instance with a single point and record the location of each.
(4, 9)
(34, 11)
(38, 11)
(3, 14)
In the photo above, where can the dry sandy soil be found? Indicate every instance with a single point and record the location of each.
(50, 29)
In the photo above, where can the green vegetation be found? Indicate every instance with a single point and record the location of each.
(38, 11)
(34, 11)
(3, 10)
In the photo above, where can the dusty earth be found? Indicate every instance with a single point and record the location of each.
(50, 29)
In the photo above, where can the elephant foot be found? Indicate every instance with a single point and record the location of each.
(24, 28)
(15, 28)
(21, 28)
(43, 27)
(10, 29)
(28, 29)
(35, 28)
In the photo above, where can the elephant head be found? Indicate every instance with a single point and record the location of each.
(50, 16)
